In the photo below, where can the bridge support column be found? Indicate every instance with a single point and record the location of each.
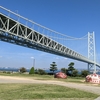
(91, 50)
(93, 67)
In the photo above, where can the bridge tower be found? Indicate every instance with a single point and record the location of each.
(91, 51)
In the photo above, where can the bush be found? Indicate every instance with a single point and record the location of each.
(4, 71)
(31, 70)
(8, 72)
(84, 73)
(63, 70)
(36, 71)
(41, 72)
(22, 70)
(75, 73)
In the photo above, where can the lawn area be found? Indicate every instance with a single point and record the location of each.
(41, 91)
(45, 77)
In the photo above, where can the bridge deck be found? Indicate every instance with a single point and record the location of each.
(15, 32)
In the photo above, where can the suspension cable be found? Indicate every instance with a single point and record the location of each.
(70, 38)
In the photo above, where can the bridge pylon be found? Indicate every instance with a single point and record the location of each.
(91, 51)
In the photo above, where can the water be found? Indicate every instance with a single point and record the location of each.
(47, 71)
(27, 70)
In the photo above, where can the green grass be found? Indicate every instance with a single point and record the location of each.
(46, 77)
(41, 91)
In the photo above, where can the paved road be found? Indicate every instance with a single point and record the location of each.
(86, 87)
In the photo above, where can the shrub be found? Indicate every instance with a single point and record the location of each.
(41, 72)
(4, 71)
(63, 70)
(75, 73)
(8, 72)
(22, 70)
(31, 70)
(84, 73)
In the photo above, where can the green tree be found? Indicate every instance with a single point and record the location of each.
(75, 73)
(36, 71)
(41, 72)
(63, 70)
(22, 69)
(53, 67)
(31, 70)
(70, 68)
(84, 73)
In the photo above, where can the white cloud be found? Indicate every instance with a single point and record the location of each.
(32, 58)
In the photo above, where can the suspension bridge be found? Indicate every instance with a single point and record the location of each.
(19, 30)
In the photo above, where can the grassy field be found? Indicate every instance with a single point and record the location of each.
(41, 91)
(46, 77)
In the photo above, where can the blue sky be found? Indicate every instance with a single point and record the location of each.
(71, 17)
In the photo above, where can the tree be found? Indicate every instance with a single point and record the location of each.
(31, 70)
(70, 68)
(75, 73)
(36, 71)
(53, 67)
(63, 70)
(41, 72)
(84, 73)
(22, 70)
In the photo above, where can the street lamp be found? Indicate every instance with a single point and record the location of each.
(33, 61)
